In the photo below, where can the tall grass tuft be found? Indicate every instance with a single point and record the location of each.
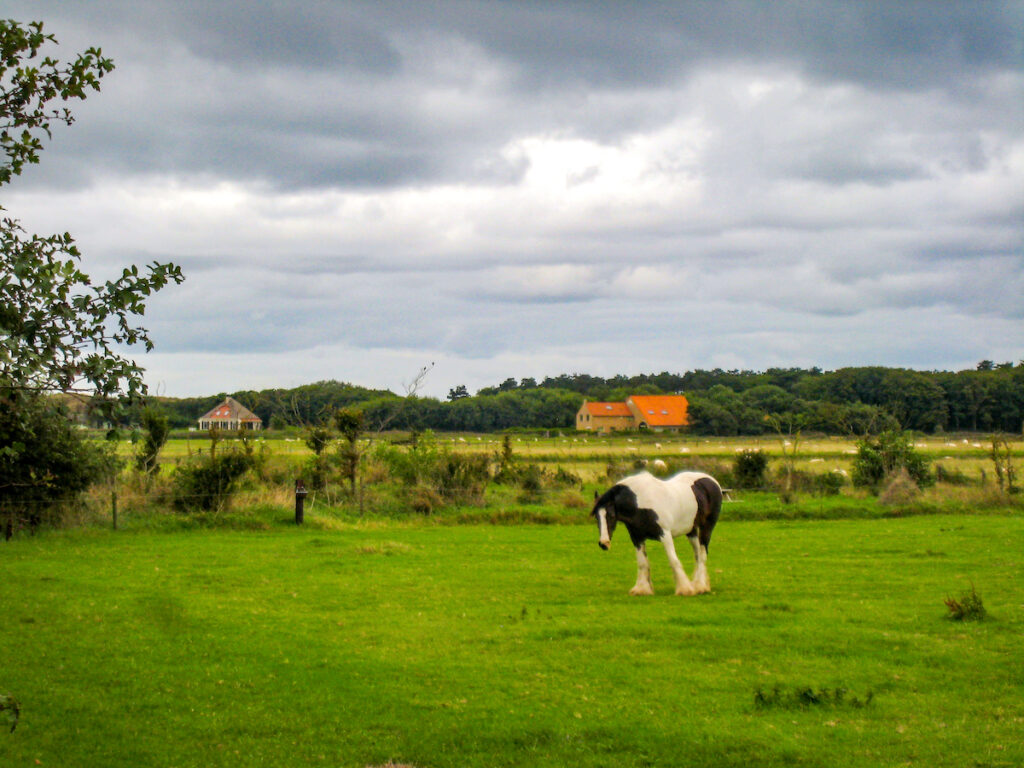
(968, 608)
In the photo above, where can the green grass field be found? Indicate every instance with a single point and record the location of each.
(518, 645)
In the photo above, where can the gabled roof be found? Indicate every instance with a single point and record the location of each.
(661, 410)
(231, 409)
(608, 409)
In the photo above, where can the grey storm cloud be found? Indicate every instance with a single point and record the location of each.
(528, 188)
(384, 94)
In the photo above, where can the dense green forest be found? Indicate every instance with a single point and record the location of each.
(844, 401)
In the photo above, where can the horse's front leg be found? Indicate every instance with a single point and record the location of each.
(643, 572)
(701, 582)
(683, 584)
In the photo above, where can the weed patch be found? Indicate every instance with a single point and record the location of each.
(10, 710)
(806, 697)
(384, 548)
(968, 607)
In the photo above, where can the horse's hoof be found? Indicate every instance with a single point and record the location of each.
(686, 592)
(636, 591)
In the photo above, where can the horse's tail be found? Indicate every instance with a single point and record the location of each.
(709, 506)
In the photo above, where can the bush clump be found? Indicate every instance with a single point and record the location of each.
(883, 456)
(748, 469)
(208, 482)
(46, 463)
(452, 477)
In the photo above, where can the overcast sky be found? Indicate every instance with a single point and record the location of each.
(357, 189)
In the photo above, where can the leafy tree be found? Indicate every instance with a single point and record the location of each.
(317, 438)
(788, 429)
(58, 332)
(350, 424)
(458, 393)
(708, 417)
(156, 427)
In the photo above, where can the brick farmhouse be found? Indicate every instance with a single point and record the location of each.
(658, 413)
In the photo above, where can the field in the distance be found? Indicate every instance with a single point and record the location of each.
(493, 646)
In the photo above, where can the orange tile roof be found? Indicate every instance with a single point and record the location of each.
(608, 409)
(661, 410)
(231, 409)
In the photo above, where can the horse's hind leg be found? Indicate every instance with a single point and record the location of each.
(643, 572)
(701, 583)
(683, 584)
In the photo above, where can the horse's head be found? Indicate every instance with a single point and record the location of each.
(606, 517)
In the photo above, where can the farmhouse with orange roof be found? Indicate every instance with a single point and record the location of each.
(658, 413)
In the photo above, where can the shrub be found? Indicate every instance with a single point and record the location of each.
(900, 489)
(455, 477)
(46, 463)
(563, 478)
(531, 478)
(968, 608)
(748, 469)
(829, 483)
(208, 482)
(424, 500)
(462, 478)
(884, 455)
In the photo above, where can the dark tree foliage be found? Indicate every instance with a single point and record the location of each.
(58, 331)
(849, 401)
(45, 463)
(309, 404)
(457, 393)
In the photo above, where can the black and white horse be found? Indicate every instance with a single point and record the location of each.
(651, 509)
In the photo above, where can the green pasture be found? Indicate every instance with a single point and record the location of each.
(498, 646)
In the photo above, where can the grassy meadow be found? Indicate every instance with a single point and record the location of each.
(823, 643)
(498, 634)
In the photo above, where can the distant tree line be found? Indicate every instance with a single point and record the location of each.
(854, 401)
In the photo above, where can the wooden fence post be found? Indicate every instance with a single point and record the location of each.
(300, 499)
